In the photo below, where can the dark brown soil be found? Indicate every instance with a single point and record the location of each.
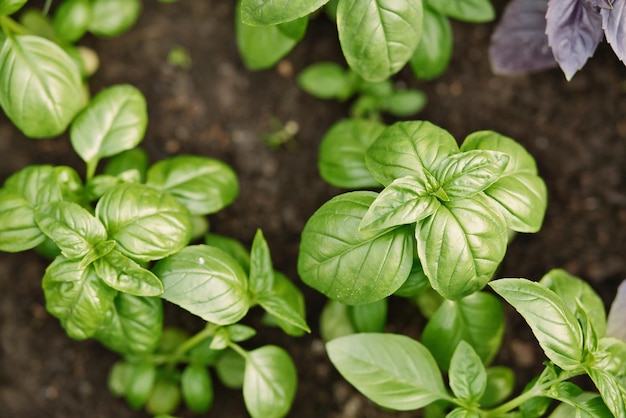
(575, 130)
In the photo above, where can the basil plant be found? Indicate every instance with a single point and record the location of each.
(120, 246)
(42, 70)
(444, 208)
(450, 372)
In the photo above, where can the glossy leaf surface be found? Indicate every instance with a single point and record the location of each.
(270, 381)
(434, 51)
(351, 266)
(207, 282)
(272, 12)
(125, 275)
(465, 10)
(378, 37)
(113, 17)
(392, 370)
(611, 389)
(41, 86)
(72, 19)
(18, 229)
(467, 375)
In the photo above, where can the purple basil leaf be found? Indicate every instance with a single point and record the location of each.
(616, 323)
(614, 24)
(519, 43)
(603, 4)
(574, 31)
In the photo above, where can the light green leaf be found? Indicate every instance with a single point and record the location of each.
(197, 388)
(407, 149)
(585, 405)
(261, 47)
(230, 246)
(378, 37)
(467, 375)
(133, 325)
(270, 381)
(72, 228)
(207, 282)
(369, 317)
(272, 12)
(77, 297)
(230, 368)
(577, 294)
(405, 103)
(500, 385)
(347, 265)
(113, 17)
(285, 303)
(461, 245)
(405, 201)
(465, 174)
(40, 86)
(204, 185)
(123, 274)
(37, 184)
(392, 370)
(520, 192)
(133, 159)
(114, 121)
(612, 390)
(463, 413)
(261, 269)
(18, 229)
(466, 10)
(477, 319)
(8, 7)
(341, 160)
(327, 80)
(554, 326)
(72, 19)
(335, 321)
(433, 53)
(146, 223)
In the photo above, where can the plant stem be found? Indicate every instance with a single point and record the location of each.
(10, 26)
(172, 359)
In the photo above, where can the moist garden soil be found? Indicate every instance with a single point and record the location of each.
(576, 131)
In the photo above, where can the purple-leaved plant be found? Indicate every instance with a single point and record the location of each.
(535, 35)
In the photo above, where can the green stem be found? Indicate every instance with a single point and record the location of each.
(236, 347)
(171, 360)
(10, 26)
(91, 169)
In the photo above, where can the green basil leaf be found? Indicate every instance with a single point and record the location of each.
(465, 174)
(8, 7)
(477, 11)
(261, 47)
(141, 380)
(405, 103)
(114, 121)
(369, 317)
(202, 184)
(18, 229)
(327, 80)
(270, 381)
(123, 274)
(577, 294)
(77, 297)
(463, 413)
(585, 405)
(146, 223)
(37, 184)
(207, 282)
(378, 37)
(261, 269)
(295, 29)
(41, 86)
(133, 325)
(335, 321)
(520, 192)
(72, 228)
(407, 149)
(164, 398)
(477, 319)
(197, 388)
(230, 368)
(111, 18)
(416, 283)
(406, 200)
(119, 376)
(610, 356)
(285, 303)
(264, 12)
(72, 19)
(132, 159)
(468, 377)
(461, 245)
(347, 265)
(341, 160)
(70, 184)
(230, 246)
(554, 326)
(612, 390)
(392, 370)
(500, 385)
(433, 53)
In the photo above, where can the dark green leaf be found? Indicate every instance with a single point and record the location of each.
(207, 282)
(392, 370)
(272, 12)
(231, 246)
(77, 297)
(465, 10)
(165, 396)
(416, 283)
(40, 86)
(295, 29)
(350, 266)
(554, 326)
(500, 385)
(270, 381)
(8, 7)
(467, 375)
(369, 317)
(433, 53)
(202, 184)
(341, 160)
(197, 388)
(123, 274)
(114, 121)
(132, 325)
(408, 149)
(140, 383)
(477, 319)
(378, 37)
(335, 321)
(146, 223)
(285, 303)
(230, 369)
(113, 17)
